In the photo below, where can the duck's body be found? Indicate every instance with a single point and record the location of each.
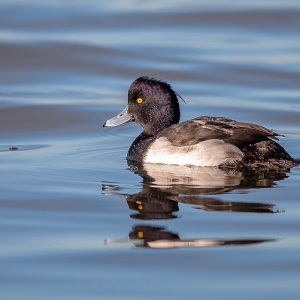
(203, 141)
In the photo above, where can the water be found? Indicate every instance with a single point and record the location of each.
(76, 223)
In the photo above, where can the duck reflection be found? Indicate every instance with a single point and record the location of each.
(152, 204)
(159, 238)
(165, 186)
(207, 179)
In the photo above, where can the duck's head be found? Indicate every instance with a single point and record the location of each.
(151, 103)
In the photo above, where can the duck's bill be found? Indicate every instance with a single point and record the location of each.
(121, 118)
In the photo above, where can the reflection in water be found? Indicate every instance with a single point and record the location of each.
(151, 204)
(206, 178)
(165, 186)
(157, 237)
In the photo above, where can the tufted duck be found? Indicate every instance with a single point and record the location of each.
(203, 141)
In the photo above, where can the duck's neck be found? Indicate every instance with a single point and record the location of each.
(153, 128)
(138, 148)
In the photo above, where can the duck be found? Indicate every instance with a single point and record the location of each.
(204, 141)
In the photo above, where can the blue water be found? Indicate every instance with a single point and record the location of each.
(75, 222)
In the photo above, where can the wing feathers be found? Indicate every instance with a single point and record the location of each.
(204, 128)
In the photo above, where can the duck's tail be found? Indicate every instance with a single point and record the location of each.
(267, 154)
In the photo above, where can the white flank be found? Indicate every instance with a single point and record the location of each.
(211, 153)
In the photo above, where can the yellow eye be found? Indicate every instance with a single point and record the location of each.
(139, 100)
